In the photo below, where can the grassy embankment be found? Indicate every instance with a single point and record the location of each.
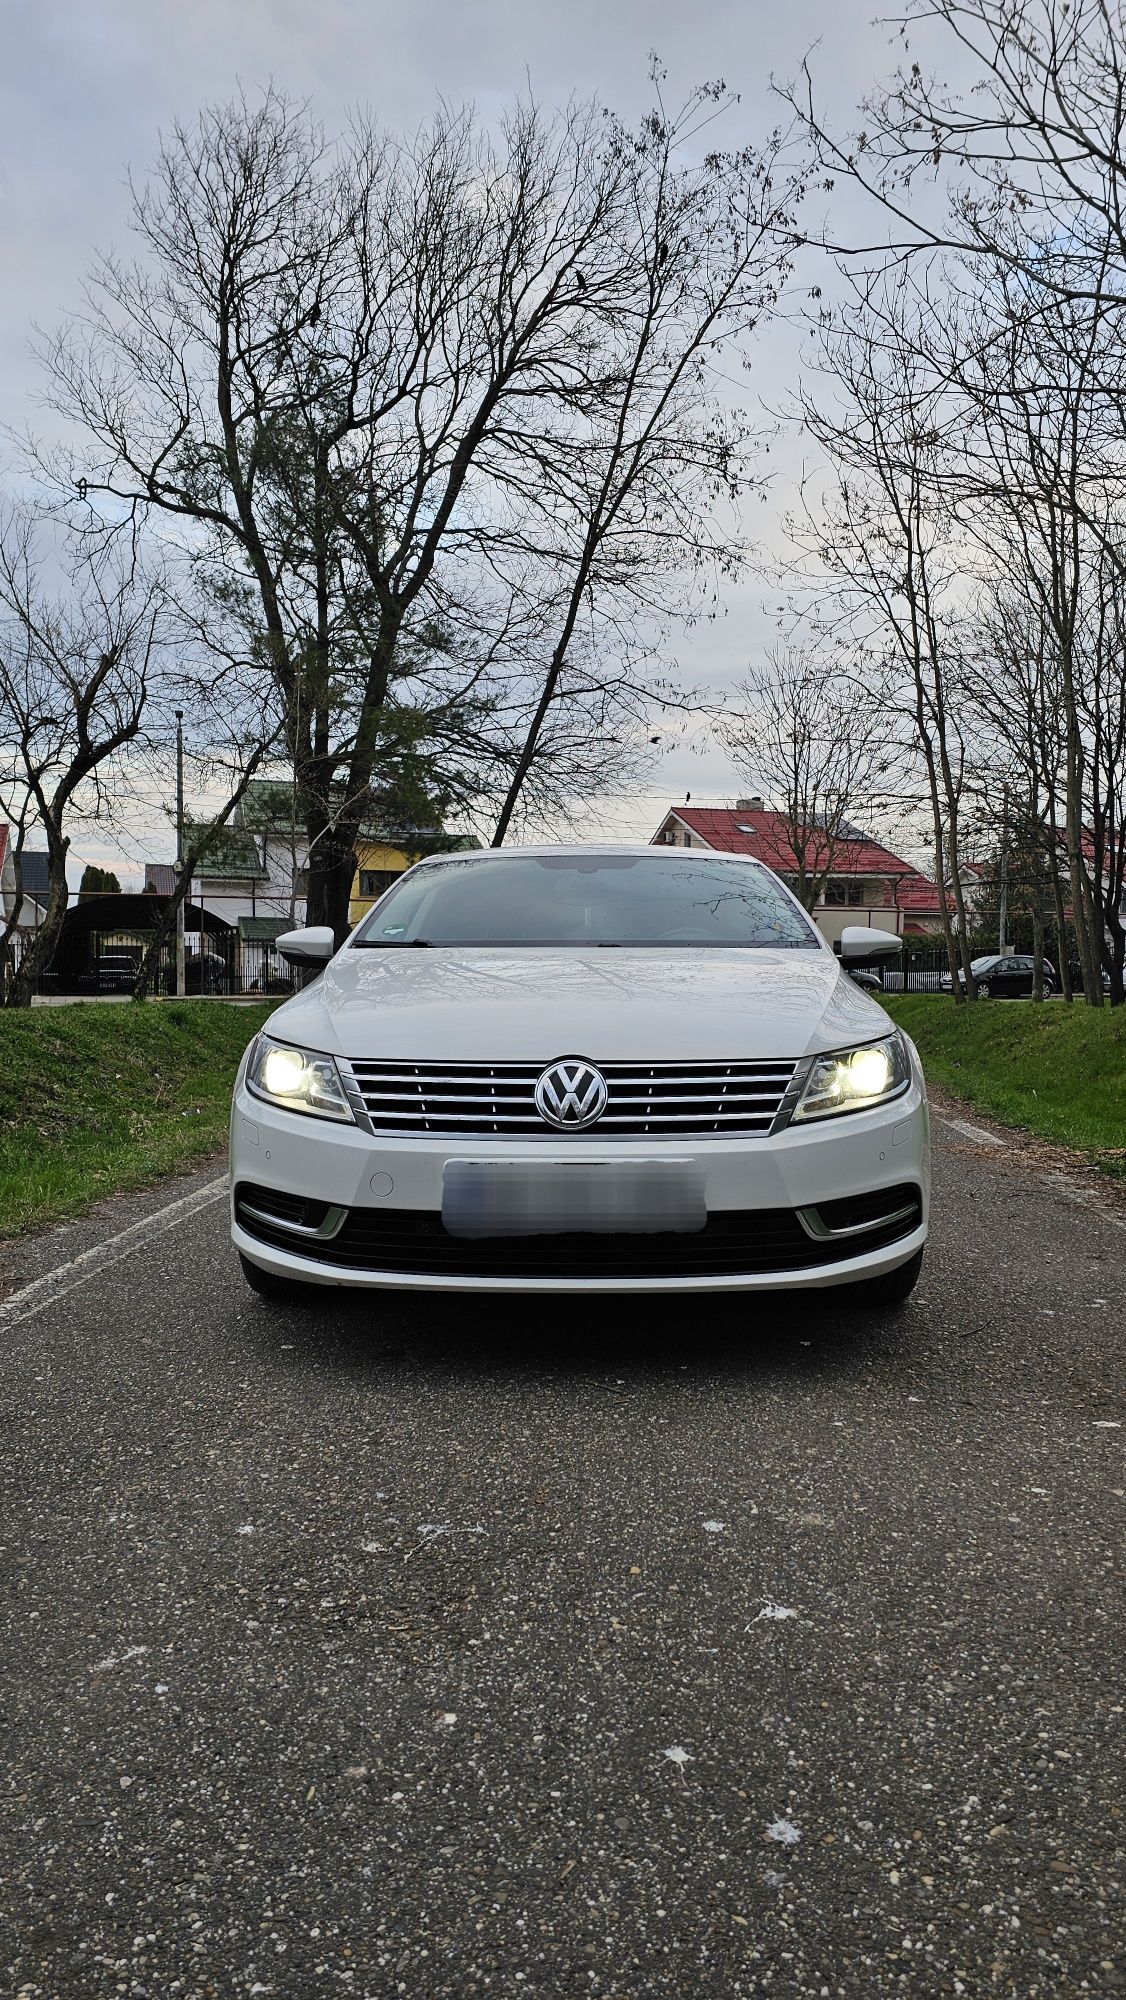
(1058, 1072)
(101, 1097)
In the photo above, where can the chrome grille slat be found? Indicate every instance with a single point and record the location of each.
(621, 1099)
(645, 1099)
(772, 1072)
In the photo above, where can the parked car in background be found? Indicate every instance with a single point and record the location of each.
(580, 1070)
(113, 971)
(870, 981)
(1005, 977)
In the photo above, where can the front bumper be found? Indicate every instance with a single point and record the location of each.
(370, 1177)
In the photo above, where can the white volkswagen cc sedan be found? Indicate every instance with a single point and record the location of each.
(581, 1069)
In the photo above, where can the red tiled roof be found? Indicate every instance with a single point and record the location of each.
(920, 897)
(769, 841)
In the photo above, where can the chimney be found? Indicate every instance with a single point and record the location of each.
(749, 805)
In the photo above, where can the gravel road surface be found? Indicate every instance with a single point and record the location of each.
(402, 1647)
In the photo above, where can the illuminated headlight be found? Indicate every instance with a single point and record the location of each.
(298, 1079)
(855, 1079)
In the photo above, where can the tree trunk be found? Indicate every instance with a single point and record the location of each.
(330, 880)
(41, 950)
(1064, 966)
(192, 859)
(1037, 950)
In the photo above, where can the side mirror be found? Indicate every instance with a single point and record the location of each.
(857, 942)
(314, 945)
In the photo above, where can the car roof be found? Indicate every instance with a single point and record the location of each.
(586, 848)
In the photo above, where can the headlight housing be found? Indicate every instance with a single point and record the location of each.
(297, 1080)
(855, 1079)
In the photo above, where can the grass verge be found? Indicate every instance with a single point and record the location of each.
(97, 1098)
(1056, 1071)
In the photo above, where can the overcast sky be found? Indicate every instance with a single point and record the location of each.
(86, 86)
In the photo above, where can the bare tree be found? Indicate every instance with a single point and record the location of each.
(1025, 155)
(1004, 197)
(1012, 681)
(882, 538)
(1103, 696)
(234, 782)
(76, 663)
(629, 488)
(341, 371)
(820, 753)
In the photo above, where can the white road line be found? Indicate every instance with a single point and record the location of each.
(977, 1133)
(1059, 1184)
(1080, 1197)
(78, 1270)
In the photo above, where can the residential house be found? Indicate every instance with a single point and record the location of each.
(268, 811)
(258, 866)
(228, 881)
(255, 866)
(867, 883)
(380, 859)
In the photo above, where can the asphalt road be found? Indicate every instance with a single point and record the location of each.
(394, 1647)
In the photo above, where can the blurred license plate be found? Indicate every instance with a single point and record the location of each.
(558, 1198)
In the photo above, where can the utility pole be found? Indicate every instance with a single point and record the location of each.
(180, 983)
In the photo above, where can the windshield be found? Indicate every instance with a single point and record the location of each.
(588, 899)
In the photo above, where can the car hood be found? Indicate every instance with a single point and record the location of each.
(470, 1005)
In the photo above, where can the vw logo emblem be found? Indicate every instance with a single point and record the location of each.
(571, 1094)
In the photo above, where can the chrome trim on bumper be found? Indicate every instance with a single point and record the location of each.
(318, 1232)
(820, 1231)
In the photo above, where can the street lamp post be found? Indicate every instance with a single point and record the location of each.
(180, 981)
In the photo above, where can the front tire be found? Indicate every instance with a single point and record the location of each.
(891, 1288)
(269, 1285)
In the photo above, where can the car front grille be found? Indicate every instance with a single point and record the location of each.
(646, 1100)
(734, 1243)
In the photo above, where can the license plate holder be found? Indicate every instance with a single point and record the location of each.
(483, 1198)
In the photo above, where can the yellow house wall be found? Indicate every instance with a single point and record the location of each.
(374, 854)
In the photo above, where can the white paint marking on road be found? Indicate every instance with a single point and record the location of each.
(1059, 1184)
(977, 1133)
(79, 1270)
(1081, 1197)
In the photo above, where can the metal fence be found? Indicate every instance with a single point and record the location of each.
(916, 969)
(227, 966)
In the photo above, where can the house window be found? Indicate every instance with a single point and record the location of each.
(373, 881)
(843, 892)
